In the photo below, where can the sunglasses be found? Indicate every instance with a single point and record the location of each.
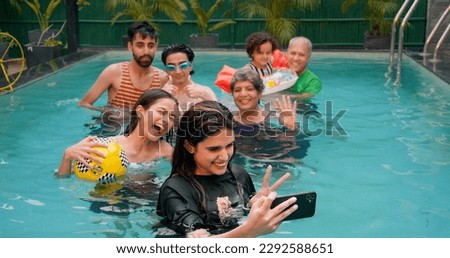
(182, 66)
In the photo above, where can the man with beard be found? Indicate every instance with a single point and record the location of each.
(126, 81)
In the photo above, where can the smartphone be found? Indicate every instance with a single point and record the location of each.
(306, 203)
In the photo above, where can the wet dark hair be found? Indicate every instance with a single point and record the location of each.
(247, 74)
(146, 100)
(144, 28)
(178, 48)
(256, 39)
(200, 121)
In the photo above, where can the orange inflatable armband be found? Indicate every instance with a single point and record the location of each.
(224, 76)
(279, 60)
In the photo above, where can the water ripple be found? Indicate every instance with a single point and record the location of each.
(7, 206)
(29, 201)
(65, 102)
(422, 151)
(400, 173)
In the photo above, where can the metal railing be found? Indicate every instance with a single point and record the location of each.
(432, 33)
(394, 30)
(400, 40)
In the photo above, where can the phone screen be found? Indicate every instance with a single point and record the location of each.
(306, 203)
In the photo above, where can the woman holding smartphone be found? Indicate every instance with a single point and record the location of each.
(207, 196)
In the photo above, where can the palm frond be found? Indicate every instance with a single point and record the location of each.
(204, 16)
(16, 5)
(221, 25)
(375, 11)
(302, 4)
(140, 10)
(213, 8)
(347, 4)
(283, 28)
(253, 8)
(274, 12)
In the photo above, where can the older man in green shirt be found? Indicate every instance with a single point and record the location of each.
(298, 54)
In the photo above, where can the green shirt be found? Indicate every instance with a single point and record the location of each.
(308, 82)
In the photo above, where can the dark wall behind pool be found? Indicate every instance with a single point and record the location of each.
(326, 25)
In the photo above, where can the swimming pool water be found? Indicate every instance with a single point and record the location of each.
(386, 176)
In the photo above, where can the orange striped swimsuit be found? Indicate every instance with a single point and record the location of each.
(127, 94)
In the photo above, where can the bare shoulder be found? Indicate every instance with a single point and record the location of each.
(161, 73)
(120, 139)
(116, 67)
(203, 87)
(112, 70)
(163, 76)
(208, 90)
(159, 70)
(166, 149)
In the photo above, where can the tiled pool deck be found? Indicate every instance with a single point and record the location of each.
(441, 67)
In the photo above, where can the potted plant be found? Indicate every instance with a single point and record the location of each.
(205, 39)
(376, 11)
(44, 43)
(145, 10)
(275, 15)
(44, 32)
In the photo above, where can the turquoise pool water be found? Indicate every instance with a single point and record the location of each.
(386, 175)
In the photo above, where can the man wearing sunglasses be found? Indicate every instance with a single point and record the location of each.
(126, 81)
(178, 64)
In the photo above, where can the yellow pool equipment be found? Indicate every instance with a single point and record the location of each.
(12, 61)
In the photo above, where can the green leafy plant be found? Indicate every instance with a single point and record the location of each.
(16, 5)
(376, 12)
(43, 17)
(3, 37)
(145, 10)
(52, 42)
(204, 16)
(275, 14)
(83, 3)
